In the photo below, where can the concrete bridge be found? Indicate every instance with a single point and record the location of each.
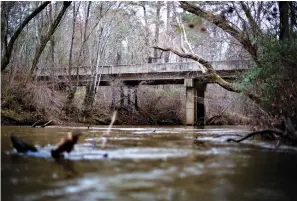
(186, 74)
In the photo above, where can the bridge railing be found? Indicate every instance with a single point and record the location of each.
(145, 68)
(123, 69)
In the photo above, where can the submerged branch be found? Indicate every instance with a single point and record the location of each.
(261, 132)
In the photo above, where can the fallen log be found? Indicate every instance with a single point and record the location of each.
(44, 125)
(35, 123)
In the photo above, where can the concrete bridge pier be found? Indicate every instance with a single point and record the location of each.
(195, 109)
(129, 97)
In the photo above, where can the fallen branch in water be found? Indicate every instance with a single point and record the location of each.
(287, 132)
(261, 132)
(224, 135)
(36, 122)
(44, 125)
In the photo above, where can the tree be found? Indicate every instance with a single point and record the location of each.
(44, 39)
(168, 21)
(8, 46)
(241, 35)
(209, 74)
(272, 45)
(104, 30)
(157, 26)
(220, 21)
(72, 87)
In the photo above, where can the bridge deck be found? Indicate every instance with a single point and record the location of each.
(149, 74)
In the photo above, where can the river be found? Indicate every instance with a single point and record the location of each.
(147, 163)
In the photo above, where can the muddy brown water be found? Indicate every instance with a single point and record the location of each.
(147, 163)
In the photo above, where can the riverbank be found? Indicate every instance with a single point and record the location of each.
(27, 118)
(24, 104)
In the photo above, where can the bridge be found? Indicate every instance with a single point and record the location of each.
(187, 74)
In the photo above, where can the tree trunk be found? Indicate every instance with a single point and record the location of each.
(146, 38)
(89, 100)
(157, 28)
(167, 54)
(147, 32)
(122, 96)
(52, 46)
(72, 87)
(284, 26)
(48, 36)
(85, 30)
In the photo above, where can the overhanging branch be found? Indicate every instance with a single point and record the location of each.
(210, 76)
(8, 49)
(223, 24)
(200, 60)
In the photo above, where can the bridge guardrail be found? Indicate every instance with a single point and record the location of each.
(145, 68)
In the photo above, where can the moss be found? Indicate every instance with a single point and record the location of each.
(214, 76)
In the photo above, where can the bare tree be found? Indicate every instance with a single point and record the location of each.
(209, 74)
(71, 86)
(8, 46)
(220, 21)
(104, 30)
(157, 26)
(47, 37)
(168, 20)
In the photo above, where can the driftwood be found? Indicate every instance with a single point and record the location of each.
(42, 126)
(285, 131)
(47, 123)
(36, 122)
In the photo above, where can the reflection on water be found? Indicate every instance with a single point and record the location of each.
(147, 163)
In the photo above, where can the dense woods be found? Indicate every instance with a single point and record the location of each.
(44, 36)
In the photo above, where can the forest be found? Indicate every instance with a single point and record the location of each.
(47, 36)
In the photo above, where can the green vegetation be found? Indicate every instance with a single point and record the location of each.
(275, 79)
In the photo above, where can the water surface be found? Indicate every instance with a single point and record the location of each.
(147, 163)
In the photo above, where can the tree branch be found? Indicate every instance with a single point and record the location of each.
(261, 132)
(223, 24)
(47, 37)
(7, 53)
(256, 29)
(210, 76)
(287, 131)
(194, 57)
